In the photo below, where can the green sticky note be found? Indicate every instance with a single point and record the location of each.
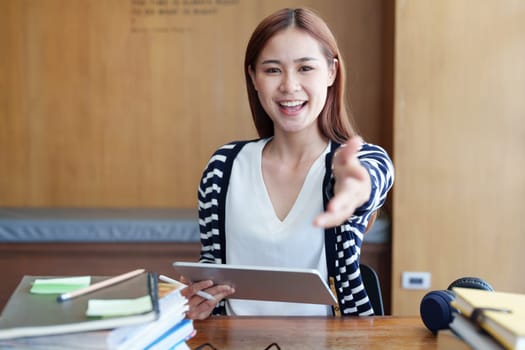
(118, 307)
(59, 285)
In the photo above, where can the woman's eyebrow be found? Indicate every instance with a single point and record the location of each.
(298, 60)
(271, 62)
(305, 59)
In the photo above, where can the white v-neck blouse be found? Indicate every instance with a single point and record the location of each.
(256, 236)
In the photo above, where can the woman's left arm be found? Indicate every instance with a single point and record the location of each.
(363, 175)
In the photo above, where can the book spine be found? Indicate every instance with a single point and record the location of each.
(153, 290)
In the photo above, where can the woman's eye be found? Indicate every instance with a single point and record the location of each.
(272, 70)
(305, 68)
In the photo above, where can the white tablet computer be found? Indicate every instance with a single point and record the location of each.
(262, 283)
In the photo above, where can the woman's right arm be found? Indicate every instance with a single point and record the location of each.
(199, 307)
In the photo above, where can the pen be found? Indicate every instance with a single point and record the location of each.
(175, 282)
(102, 284)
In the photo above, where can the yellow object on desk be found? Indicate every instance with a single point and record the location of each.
(59, 285)
(501, 314)
(118, 307)
(99, 285)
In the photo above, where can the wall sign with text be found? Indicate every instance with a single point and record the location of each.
(173, 15)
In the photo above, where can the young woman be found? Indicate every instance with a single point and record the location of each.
(293, 197)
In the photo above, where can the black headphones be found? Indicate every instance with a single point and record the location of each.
(435, 309)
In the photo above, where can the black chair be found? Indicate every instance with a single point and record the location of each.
(373, 288)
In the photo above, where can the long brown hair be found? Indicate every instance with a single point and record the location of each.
(334, 121)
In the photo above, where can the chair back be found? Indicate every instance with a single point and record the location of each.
(373, 288)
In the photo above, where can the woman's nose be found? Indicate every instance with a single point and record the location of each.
(290, 83)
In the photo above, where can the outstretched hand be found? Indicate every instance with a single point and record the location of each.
(352, 185)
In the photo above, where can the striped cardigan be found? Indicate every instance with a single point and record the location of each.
(342, 243)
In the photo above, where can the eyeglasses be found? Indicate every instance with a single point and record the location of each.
(208, 346)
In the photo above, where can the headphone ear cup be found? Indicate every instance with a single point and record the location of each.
(435, 309)
(471, 282)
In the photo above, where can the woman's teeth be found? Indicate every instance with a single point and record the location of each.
(291, 103)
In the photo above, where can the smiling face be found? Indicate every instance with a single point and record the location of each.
(292, 76)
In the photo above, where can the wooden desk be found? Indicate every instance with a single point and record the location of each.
(313, 333)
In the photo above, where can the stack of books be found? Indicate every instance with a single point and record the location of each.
(125, 315)
(170, 331)
(489, 320)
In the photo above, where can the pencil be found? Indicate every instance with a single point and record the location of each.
(102, 284)
(175, 282)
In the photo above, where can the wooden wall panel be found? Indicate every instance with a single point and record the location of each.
(459, 144)
(113, 103)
